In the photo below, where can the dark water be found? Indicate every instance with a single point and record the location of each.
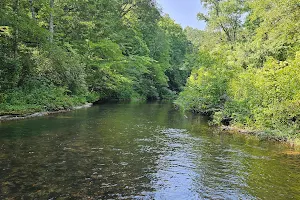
(139, 151)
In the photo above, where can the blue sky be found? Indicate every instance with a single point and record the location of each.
(183, 12)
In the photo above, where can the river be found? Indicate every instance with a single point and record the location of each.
(139, 151)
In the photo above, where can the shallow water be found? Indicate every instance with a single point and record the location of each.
(139, 151)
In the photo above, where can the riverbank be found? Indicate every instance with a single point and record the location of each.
(40, 114)
(293, 142)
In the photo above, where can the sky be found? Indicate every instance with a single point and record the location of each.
(184, 12)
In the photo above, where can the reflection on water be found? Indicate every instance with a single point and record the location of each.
(139, 151)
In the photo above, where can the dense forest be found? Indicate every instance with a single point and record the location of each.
(58, 54)
(248, 74)
(243, 69)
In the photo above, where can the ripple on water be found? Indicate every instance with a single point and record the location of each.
(110, 152)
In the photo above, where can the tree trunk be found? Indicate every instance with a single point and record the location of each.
(32, 10)
(51, 24)
(16, 28)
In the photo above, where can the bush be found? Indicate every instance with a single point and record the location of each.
(267, 97)
(39, 98)
(206, 90)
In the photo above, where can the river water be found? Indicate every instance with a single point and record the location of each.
(139, 151)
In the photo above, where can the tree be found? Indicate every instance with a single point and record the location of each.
(51, 23)
(224, 16)
(246, 71)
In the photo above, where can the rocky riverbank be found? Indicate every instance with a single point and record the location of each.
(40, 114)
(262, 135)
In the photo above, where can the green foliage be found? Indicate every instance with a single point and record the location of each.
(225, 15)
(206, 89)
(248, 66)
(41, 98)
(178, 49)
(57, 53)
(61, 68)
(271, 94)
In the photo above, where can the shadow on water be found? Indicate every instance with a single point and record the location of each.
(139, 151)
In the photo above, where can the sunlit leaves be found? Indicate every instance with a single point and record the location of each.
(257, 72)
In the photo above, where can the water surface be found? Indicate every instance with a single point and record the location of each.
(139, 151)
